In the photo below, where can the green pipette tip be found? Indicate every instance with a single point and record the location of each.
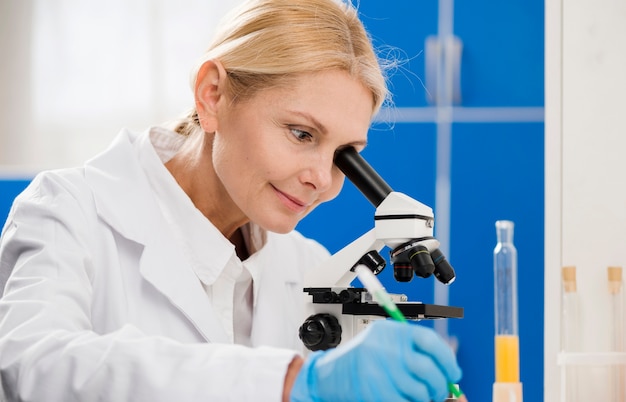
(454, 390)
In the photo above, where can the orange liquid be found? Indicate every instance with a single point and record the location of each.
(507, 358)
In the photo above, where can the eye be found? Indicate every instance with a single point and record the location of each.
(301, 135)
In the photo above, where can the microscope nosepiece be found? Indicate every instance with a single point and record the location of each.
(414, 257)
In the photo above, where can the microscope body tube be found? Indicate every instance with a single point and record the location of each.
(362, 175)
(505, 304)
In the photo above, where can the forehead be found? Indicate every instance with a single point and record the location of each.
(334, 98)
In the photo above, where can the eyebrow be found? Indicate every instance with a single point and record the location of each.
(319, 126)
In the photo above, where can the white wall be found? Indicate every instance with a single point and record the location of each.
(15, 87)
(74, 72)
(585, 169)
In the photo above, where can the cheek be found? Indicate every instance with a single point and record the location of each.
(335, 188)
(233, 154)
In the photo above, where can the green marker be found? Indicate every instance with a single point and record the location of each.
(373, 286)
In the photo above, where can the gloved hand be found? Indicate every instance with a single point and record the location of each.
(388, 361)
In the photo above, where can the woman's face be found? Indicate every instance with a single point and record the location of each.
(274, 152)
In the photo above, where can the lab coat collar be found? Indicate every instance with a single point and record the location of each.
(125, 201)
(205, 247)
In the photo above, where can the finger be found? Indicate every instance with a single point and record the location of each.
(424, 370)
(405, 384)
(417, 393)
(428, 342)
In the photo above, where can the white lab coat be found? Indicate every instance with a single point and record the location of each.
(100, 306)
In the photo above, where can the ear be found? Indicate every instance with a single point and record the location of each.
(210, 85)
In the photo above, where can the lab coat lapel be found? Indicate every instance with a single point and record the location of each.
(163, 267)
(277, 311)
(125, 201)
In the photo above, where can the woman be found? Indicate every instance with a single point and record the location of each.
(167, 268)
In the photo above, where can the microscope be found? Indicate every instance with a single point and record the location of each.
(335, 310)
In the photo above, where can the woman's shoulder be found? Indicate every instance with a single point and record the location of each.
(52, 184)
(59, 193)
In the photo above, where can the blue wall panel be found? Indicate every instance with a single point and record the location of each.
(9, 189)
(502, 62)
(399, 29)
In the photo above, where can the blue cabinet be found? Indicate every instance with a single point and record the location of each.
(496, 168)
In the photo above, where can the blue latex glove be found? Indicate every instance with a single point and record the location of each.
(388, 361)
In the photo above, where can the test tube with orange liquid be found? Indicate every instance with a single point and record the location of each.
(507, 386)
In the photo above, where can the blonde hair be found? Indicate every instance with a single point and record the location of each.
(267, 43)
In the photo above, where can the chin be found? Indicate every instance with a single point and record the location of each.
(280, 226)
(279, 221)
(280, 229)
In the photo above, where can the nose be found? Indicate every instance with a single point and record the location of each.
(319, 172)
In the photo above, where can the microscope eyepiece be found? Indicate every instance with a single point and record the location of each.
(362, 175)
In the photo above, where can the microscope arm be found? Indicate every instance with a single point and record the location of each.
(336, 270)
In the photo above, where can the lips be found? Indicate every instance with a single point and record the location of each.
(292, 203)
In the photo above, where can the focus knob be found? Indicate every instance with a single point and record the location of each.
(320, 332)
